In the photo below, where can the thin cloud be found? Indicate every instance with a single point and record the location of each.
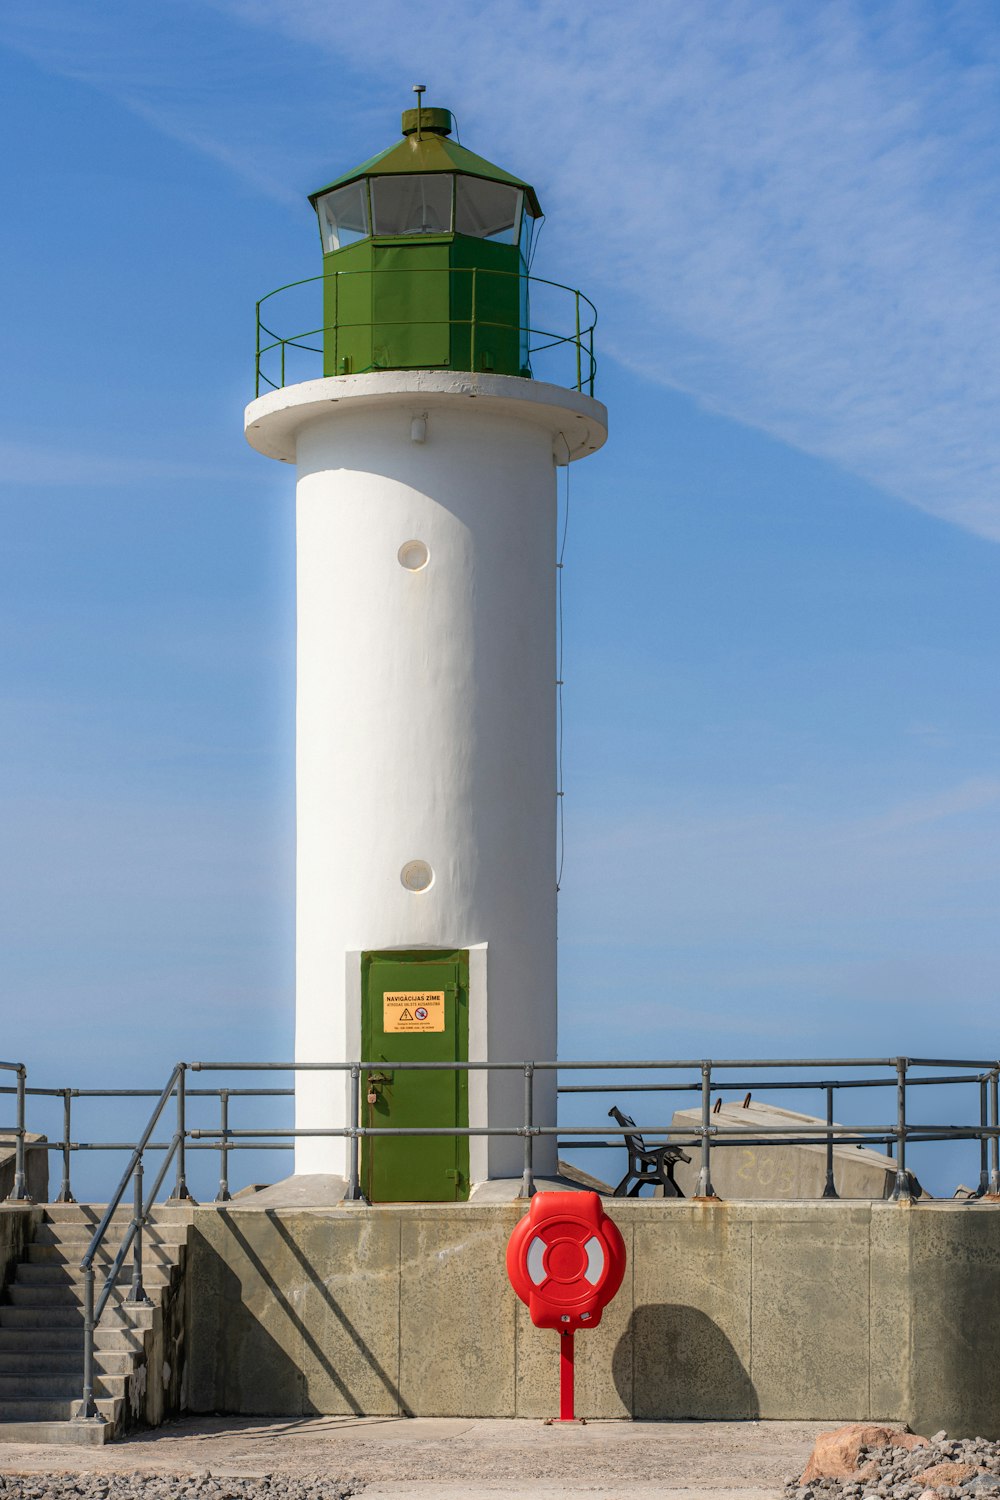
(24, 464)
(786, 212)
(790, 208)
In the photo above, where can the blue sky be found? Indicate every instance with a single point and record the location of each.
(782, 773)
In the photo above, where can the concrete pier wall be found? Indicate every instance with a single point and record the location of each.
(811, 1311)
(18, 1222)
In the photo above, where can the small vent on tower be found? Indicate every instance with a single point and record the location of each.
(413, 556)
(417, 875)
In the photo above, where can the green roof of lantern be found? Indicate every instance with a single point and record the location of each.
(434, 152)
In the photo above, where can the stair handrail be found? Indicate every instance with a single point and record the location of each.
(137, 1295)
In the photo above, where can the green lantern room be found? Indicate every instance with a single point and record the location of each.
(425, 258)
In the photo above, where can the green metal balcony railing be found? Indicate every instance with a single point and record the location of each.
(457, 318)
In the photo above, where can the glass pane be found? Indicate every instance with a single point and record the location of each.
(488, 210)
(343, 216)
(527, 241)
(412, 205)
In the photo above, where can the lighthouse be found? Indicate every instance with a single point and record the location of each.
(427, 441)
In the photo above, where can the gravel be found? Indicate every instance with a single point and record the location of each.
(898, 1474)
(201, 1486)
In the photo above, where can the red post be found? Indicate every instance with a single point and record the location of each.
(566, 1376)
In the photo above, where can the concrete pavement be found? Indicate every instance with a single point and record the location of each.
(458, 1459)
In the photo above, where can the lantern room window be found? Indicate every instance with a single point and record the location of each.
(418, 204)
(487, 210)
(343, 216)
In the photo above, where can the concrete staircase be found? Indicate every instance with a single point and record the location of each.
(41, 1326)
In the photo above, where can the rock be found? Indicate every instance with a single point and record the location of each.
(836, 1454)
(940, 1437)
(948, 1473)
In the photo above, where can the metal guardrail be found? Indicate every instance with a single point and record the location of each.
(985, 1074)
(225, 1139)
(273, 348)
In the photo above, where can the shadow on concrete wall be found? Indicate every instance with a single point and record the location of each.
(364, 1356)
(673, 1361)
(233, 1362)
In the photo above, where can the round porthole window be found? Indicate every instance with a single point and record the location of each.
(413, 556)
(417, 875)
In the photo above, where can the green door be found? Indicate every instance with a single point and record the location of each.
(415, 1008)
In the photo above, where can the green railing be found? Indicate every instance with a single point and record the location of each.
(564, 355)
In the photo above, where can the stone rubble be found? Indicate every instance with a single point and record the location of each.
(201, 1486)
(876, 1463)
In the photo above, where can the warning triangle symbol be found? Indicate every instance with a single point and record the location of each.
(406, 1016)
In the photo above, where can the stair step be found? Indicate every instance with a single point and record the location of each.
(67, 1294)
(62, 1385)
(54, 1410)
(56, 1434)
(153, 1254)
(48, 1273)
(84, 1229)
(70, 1315)
(82, 1234)
(37, 1361)
(28, 1340)
(93, 1213)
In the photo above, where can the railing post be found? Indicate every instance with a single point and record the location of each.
(353, 1194)
(994, 1140)
(65, 1190)
(579, 368)
(137, 1292)
(528, 1174)
(472, 329)
(282, 363)
(829, 1189)
(181, 1190)
(88, 1407)
(224, 1195)
(256, 389)
(984, 1140)
(901, 1192)
(704, 1188)
(19, 1192)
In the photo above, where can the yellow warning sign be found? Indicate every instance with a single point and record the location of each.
(413, 1010)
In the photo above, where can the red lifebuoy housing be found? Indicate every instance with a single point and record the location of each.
(566, 1260)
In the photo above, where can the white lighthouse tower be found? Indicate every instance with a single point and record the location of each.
(426, 460)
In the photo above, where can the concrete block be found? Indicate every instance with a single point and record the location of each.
(783, 1173)
(36, 1165)
(810, 1311)
(687, 1349)
(244, 1328)
(891, 1308)
(603, 1357)
(18, 1225)
(457, 1312)
(936, 1316)
(349, 1309)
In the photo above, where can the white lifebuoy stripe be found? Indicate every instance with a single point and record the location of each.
(595, 1260)
(535, 1260)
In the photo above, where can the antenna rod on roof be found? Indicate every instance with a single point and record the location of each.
(419, 89)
